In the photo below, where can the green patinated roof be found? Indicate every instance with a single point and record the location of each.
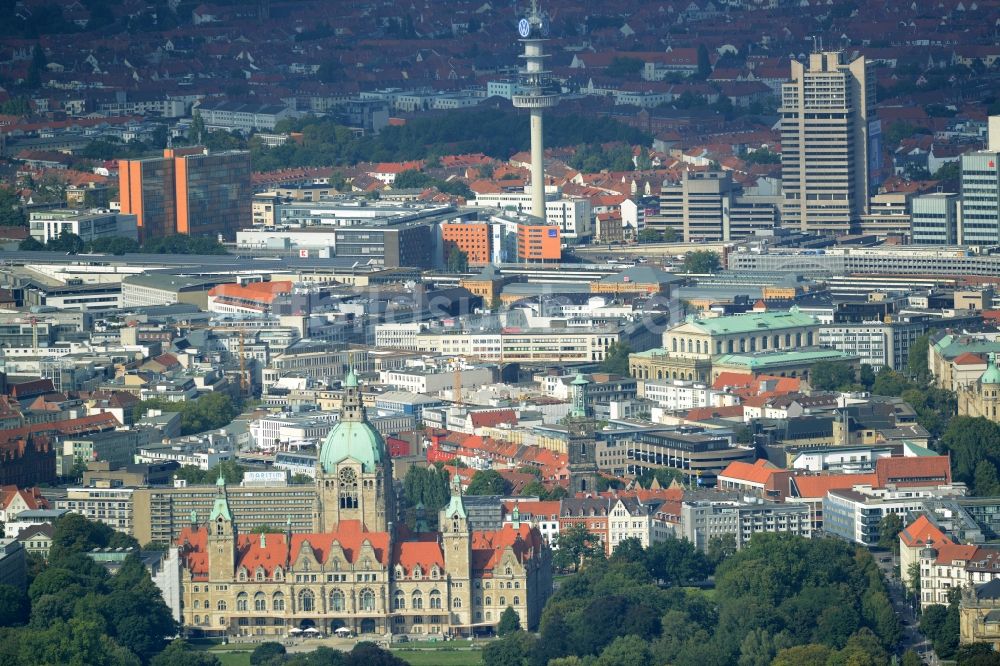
(221, 505)
(356, 440)
(781, 358)
(754, 322)
(918, 451)
(351, 380)
(992, 374)
(456, 507)
(951, 346)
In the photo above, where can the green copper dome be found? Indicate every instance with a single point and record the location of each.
(992, 374)
(352, 439)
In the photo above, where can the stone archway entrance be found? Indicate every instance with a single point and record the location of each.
(336, 624)
(368, 626)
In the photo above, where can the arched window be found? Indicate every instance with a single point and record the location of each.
(517, 601)
(197, 604)
(399, 574)
(417, 573)
(307, 601)
(221, 605)
(278, 601)
(488, 602)
(241, 601)
(435, 599)
(417, 600)
(503, 601)
(258, 575)
(456, 603)
(337, 601)
(348, 489)
(222, 621)
(279, 575)
(259, 602)
(197, 619)
(508, 571)
(399, 600)
(242, 575)
(367, 600)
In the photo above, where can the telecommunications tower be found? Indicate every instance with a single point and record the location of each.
(535, 93)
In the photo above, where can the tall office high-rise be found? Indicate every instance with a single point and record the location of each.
(827, 121)
(981, 191)
(187, 191)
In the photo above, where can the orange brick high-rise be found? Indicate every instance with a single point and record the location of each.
(187, 191)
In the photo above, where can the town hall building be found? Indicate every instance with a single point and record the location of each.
(361, 570)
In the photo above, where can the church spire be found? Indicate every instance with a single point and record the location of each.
(352, 408)
(221, 506)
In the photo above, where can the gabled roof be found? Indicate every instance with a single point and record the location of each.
(758, 472)
(913, 471)
(950, 552)
(922, 532)
(818, 486)
(488, 547)
(968, 358)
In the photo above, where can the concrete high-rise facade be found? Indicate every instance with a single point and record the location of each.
(827, 120)
(187, 191)
(981, 197)
(708, 206)
(935, 219)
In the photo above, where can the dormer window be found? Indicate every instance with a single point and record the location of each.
(259, 574)
(417, 573)
(278, 575)
(242, 575)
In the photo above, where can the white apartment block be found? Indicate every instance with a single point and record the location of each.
(47, 225)
(111, 506)
(398, 336)
(676, 395)
(573, 216)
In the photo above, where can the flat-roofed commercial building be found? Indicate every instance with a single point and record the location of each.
(89, 225)
(699, 457)
(161, 513)
(152, 289)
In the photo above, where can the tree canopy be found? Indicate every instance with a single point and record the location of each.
(488, 482)
(781, 599)
(701, 261)
(75, 612)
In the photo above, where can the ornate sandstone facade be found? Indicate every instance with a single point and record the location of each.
(359, 570)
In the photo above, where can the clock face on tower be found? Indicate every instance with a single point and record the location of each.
(347, 476)
(523, 27)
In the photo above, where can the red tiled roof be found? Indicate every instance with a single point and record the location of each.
(921, 471)
(922, 532)
(949, 552)
(818, 486)
(32, 497)
(263, 292)
(489, 546)
(968, 358)
(758, 472)
(84, 424)
(492, 418)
